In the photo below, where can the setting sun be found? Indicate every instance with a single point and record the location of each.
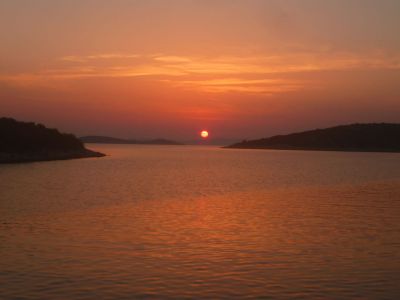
(204, 134)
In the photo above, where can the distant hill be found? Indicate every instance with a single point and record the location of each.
(356, 137)
(112, 140)
(211, 141)
(27, 141)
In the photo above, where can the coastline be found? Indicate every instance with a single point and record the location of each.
(312, 149)
(11, 158)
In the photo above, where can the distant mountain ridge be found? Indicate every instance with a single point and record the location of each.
(28, 141)
(113, 140)
(380, 137)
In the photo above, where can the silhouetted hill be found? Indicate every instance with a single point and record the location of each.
(112, 140)
(356, 137)
(211, 141)
(26, 141)
(105, 140)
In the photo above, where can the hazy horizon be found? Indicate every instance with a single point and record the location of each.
(169, 69)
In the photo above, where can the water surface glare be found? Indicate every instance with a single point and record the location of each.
(201, 222)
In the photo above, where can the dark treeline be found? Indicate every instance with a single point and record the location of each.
(355, 137)
(27, 137)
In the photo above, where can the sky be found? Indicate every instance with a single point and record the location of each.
(240, 69)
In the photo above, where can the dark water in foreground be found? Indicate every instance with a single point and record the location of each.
(201, 222)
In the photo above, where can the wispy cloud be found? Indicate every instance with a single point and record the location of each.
(242, 85)
(86, 58)
(214, 75)
(172, 59)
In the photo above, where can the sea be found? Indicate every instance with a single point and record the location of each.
(201, 222)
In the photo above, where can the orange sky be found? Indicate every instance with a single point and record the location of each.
(241, 69)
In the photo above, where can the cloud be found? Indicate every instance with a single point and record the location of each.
(86, 58)
(242, 85)
(241, 74)
(172, 59)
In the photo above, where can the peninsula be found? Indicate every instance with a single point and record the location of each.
(374, 137)
(28, 142)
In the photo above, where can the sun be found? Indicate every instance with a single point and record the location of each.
(204, 134)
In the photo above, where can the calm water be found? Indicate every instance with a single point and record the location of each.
(201, 222)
